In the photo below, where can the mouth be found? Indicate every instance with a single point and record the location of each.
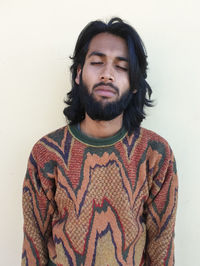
(105, 91)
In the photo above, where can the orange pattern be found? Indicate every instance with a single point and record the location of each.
(111, 205)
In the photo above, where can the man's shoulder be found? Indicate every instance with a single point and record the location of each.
(148, 138)
(52, 140)
(152, 136)
(147, 143)
(57, 135)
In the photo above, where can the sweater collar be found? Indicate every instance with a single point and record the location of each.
(96, 142)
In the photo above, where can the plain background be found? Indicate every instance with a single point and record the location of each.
(36, 40)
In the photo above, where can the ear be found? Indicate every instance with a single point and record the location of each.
(78, 74)
(134, 92)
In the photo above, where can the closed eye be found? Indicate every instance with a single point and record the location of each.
(96, 63)
(122, 68)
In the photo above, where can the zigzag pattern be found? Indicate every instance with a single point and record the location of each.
(112, 205)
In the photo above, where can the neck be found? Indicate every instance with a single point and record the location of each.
(101, 129)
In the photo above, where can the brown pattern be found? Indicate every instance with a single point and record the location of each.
(95, 206)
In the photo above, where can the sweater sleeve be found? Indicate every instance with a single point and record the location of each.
(161, 212)
(37, 212)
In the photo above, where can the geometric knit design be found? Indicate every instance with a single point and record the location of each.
(100, 205)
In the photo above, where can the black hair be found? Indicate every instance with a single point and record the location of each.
(134, 113)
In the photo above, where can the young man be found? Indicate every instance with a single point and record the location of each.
(102, 190)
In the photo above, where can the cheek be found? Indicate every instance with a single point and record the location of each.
(125, 82)
(89, 76)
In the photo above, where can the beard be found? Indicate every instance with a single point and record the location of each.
(103, 111)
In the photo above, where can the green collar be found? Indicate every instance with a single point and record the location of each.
(96, 142)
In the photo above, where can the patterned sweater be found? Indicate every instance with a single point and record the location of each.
(100, 202)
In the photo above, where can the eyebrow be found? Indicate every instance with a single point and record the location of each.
(120, 58)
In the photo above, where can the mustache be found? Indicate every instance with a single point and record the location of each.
(106, 84)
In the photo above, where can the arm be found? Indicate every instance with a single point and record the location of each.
(37, 211)
(161, 212)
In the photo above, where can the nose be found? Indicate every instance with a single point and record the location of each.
(107, 74)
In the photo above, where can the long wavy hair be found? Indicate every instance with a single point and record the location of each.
(134, 113)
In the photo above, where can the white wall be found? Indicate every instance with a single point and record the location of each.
(36, 38)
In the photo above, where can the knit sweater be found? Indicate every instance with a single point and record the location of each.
(109, 201)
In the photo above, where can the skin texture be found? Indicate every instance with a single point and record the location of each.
(105, 73)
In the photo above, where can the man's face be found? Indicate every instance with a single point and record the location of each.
(106, 71)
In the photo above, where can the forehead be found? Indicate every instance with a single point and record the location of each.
(108, 44)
